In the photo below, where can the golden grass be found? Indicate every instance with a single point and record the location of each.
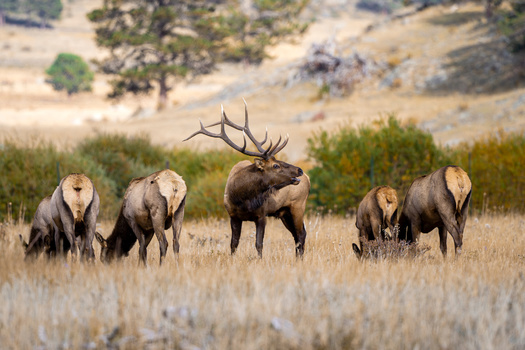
(329, 299)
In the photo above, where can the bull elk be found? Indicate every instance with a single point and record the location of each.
(266, 187)
(74, 209)
(151, 205)
(441, 200)
(376, 212)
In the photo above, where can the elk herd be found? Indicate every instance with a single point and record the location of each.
(66, 220)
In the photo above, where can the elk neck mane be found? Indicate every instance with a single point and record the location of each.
(250, 190)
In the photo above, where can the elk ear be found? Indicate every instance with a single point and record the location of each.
(357, 252)
(259, 163)
(101, 240)
(24, 243)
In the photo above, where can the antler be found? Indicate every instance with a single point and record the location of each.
(263, 153)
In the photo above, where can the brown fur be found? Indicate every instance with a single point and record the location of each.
(376, 212)
(257, 190)
(438, 200)
(151, 205)
(74, 210)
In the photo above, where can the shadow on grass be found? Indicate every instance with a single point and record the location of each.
(457, 18)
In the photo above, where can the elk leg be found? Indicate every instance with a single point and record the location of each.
(69, 231)
(415, 232)
(296, 227)
(177, 226)
(143, 253)
(89, 235)
(260, 226)
(443, 240)
(453, 229)
(289, 224)
(163, 243)
(376, 229)
(236, 226)
(158, 227)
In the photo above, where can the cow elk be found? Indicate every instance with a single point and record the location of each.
(41, 236)
(376, 212)
(266, 187)
(441, 200)
(151, 205)
(74, 209)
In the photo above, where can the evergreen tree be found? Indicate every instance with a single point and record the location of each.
(257, 24)
(69, 72)
(7, 6)
(45, 10)
(157, 42)
(160, 42)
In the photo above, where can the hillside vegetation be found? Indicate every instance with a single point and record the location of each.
(343, 167)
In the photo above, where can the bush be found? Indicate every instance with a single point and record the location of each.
(123, 158)
(205, 175)
(512, 24)
(350, 162)
(29, 173)
(69, 72)
(496, 164)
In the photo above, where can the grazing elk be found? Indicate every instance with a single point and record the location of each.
(266, 187)
(440, 200)
(376, 212)
(151, 205)
(74, 209)
(41, 236)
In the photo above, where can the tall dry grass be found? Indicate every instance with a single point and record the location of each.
(328, 300)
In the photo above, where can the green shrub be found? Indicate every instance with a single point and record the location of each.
(205, 174)
(350, 162)
(69, 72)
(29, 173)
(123, 158)
(497, 164)
(511, 23)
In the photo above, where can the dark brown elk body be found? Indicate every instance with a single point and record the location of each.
(74, 210)
(376, 212)
(151, 205)
(438, 200)
(266, 187)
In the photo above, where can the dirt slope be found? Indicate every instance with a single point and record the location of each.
(449, 72)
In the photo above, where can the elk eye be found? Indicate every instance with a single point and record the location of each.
(276, 166)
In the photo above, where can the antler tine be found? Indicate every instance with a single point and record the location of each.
(201, 131)
(222, 135)
(252, 138)
(276, 149)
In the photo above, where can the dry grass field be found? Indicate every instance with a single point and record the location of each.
(206, 299)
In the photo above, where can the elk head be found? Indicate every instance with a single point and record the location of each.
(275, 173)
(107, 253)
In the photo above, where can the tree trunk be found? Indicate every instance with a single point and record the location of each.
(163, 94)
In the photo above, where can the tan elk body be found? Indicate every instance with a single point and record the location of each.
(150, 206)
(266, 187)
(74, 209)
(41, 236)
(376, 212)
(437, 200)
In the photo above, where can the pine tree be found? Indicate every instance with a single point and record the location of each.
(157, 42)
(45, 10)
(7, 6)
